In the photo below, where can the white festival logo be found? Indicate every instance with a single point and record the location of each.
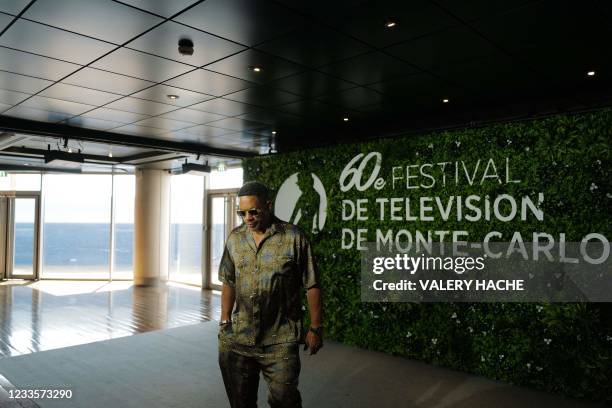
(295, 201)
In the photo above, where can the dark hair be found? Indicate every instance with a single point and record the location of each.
(255, 188)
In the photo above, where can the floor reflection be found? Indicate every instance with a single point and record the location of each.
(46, 315)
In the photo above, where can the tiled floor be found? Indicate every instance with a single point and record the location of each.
(45, 315)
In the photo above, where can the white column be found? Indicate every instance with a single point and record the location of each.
(151, 227)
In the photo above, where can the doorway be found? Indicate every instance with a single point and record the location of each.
(19, 234)
(222, 219)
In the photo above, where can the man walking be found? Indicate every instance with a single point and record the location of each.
(266, 266)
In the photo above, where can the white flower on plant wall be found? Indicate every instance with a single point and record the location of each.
(608, 195)
(508, 141)
(458, 143)
(593, 187)
(547, 341)
(430, 146)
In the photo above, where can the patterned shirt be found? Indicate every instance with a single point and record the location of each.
(269, 281)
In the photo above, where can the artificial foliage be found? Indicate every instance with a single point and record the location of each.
(564, 348)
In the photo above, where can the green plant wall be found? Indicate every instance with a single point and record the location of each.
(560, 348)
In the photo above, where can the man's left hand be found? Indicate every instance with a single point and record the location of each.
(313, 342)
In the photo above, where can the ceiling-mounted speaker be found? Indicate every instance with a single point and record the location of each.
(185, 46)
(199, 168)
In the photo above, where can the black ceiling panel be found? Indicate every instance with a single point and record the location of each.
(205, 132)
(477, 78)
(162, 8)
(34, 65)
(163, 41)
(416, 93)
(114, 115)
(51, 42)
(477, 9)
(243, 65)
(13, 6)
(57, 105)
(209, 82)
(22, 83)
(311, 83)
(354, 98)
(143, 131)
(314, 45)
(314, 111)
(544, 24)
(247, 22)
(92, 123)
(164, 123)
(224, 107)
(12, 97)
(78, 94)
(140, 65)
(39, 115)
(454, 45)
(413, 19)
(369, 68)
(192, 116)
(140, 106)
(238, 125)
(264, 96)
(269, 117)
(102, 19)
(5, 20)
(107, 81)
(166, 94)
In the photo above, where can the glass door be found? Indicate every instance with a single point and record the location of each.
(20, 231)
(222, 219)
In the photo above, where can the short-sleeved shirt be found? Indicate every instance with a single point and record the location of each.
(269, 282)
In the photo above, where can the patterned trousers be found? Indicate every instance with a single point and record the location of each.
(279, 364)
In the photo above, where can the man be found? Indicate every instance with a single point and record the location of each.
(266, 265)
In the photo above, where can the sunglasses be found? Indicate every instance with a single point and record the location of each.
(254, 212)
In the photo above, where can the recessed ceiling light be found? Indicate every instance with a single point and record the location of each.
(346, 119)
(591, 73)
(70, 150)
(445, 101)
(390, 24)
(110, 154)
(274, 132)
(26, 164)
(173, 97)
(256, 69)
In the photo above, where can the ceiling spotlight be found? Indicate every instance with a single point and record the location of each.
(274, 132)
(70, 150)
(185, 46)
(591, 73)
(26, 164)
(346, 119)
(445, 101)
(173, 97)
(390, 24)
(256, 69)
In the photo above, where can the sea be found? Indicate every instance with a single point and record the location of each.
(82, 244)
